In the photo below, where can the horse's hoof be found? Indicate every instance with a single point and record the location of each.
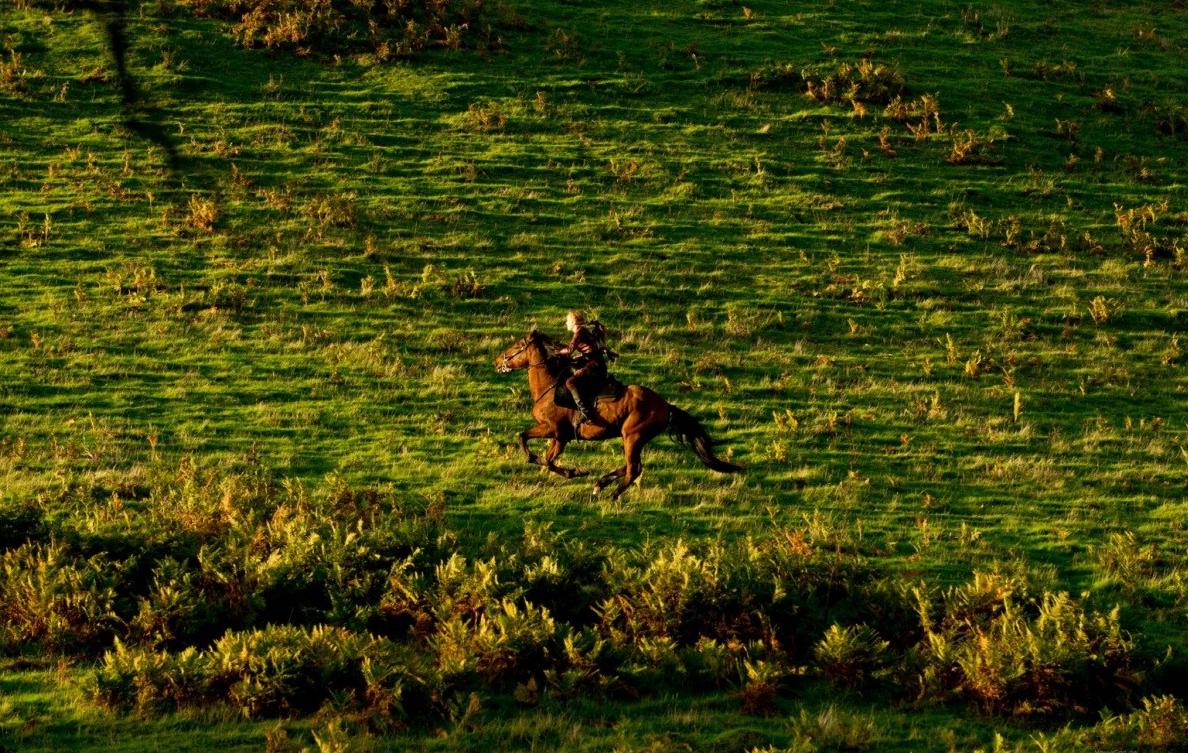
(533, 460)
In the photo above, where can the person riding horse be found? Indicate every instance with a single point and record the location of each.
(635, 413)
(588, 353)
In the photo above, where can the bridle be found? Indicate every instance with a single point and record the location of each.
(527, 342)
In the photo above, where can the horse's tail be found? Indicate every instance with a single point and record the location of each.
(688, 431)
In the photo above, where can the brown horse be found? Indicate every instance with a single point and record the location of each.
(637, 414)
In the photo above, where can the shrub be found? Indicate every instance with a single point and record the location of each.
(144, 680)
(21, 524)
(388, 28)
(588, 665)
(15, 72)
(484, 117)
(276, 671)
(510, 643)
(195, 555)
(465, 589)
(804, 589)
(50, 598)
(399, 685)
(404, 607)
(861, 81)
(762, 680)
(1161, 724)
(336, 210)
(850, 656)
(568, 580)
(1144, 232)
(282, 670)
(1009, 654)
(968, 147)
(668, 598)
(1172, 120)
(180, 609)
(777, 76)
(713, 664)
(653, 663)
(202, 213)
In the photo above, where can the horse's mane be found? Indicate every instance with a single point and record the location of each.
(547, 341)
(556, 364)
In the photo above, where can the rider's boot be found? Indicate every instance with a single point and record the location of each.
(582, 408)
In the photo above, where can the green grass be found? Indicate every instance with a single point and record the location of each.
(57, 720)
(54, 719)
(832, 311)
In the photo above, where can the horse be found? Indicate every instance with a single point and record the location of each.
(635, 413)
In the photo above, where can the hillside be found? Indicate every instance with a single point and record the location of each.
(918, 267)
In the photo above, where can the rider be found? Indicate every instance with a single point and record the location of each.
(588, 352)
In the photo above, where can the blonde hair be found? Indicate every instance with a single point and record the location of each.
(578, 316)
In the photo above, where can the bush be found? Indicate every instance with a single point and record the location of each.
(850, 656)
(777, 76)
(52, 599)
(21, 524)
(672, 597)
(568, 579)
(179, 610)
(388, 28)
(147, 681)
(294, 581)
(1171, 119)
(861, 81)
(762, 681)
(510, 643)
(1010, 654)
(284, 670)
(276, 671)
(1161, 724)
(588, 665)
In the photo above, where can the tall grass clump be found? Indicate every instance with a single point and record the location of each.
(990, 642)
(389, 29)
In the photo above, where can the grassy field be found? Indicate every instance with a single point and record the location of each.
(943, 335)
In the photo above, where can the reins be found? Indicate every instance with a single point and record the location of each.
(527, 343)
(546, 391)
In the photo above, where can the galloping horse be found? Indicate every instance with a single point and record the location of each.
(637, 414)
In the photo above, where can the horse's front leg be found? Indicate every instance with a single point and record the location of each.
(540, 431)
(556, 447)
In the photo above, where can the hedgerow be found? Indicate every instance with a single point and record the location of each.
(272, 598)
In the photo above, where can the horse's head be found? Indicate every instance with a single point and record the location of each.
(518, 356)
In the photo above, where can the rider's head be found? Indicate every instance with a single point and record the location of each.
(574, 319)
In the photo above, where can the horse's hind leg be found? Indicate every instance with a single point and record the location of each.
(540, 431)
(556, 447)
(633, 449)
(602, 482)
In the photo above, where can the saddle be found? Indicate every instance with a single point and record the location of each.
(611, 389)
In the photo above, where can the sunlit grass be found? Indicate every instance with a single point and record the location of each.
(961, 349)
